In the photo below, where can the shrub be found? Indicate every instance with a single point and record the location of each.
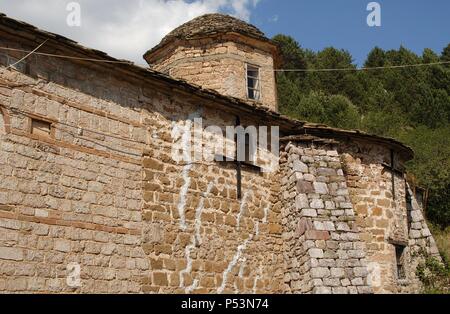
(434, 275)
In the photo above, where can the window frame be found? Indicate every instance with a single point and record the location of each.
(258, 90)
(400, 264)
(50, 122)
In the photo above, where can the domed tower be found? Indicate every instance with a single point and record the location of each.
(222, 53)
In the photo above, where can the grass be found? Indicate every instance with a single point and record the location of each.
(442, 238)
(435, 275)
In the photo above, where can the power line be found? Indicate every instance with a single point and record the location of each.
(29, 54)
(276, 70)
(365, 68)
(63, 56)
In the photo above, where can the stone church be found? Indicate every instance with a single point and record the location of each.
(91, 200)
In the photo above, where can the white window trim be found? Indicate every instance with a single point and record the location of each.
(247, 65)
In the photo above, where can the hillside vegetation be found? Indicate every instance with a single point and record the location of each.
(411, 104)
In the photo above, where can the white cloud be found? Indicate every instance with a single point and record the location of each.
(242, 8)
(124, 29)
(274, 18)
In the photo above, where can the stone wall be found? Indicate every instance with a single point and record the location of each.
(101, 190)
(222, 67)
(206, 240)
(65, 199)
(324, 252)
(343, 219)
(421, 243)
(385, 219)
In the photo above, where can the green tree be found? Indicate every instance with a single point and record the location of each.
(410, 103)
(429, 56)
(375, 58)
(445, 56)
(431, 167)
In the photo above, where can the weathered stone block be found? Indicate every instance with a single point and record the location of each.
(317, 235)
(160, 279)
(426, 232)
(320, 272)
(357, 281)
(345, 205)
(41, 213)
(329, 226)
(321, 188)
(360, 271)
(316, 253)
(332, 282)
(309, 177)
(329, 205)
(364, 290)
(326, 172)
(303, 225)
(153, 233)
(300, 166)
(304, 187)
(9, 253)
(62, 245)
(154, 164)
(318, 225)
(301, 201)
(317, 204)
(337, 272)
(342, 226)
(416, 215)
(308, 212)
(415, 234)
(377, 211)
(345, 282)
(322, 290)
(340, 290)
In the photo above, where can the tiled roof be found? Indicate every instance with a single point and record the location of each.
(210, 24)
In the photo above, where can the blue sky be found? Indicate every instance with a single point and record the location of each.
(126, 29)
(416, 24)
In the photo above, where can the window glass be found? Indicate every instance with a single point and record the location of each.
(253, 82)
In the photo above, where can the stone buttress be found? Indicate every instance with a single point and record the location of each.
(323, 249)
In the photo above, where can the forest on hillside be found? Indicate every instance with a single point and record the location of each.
(411, 104)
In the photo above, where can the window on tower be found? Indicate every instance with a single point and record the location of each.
(253, 82)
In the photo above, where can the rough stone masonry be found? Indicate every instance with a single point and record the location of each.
(87, 177)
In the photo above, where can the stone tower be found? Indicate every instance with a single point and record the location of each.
(222, 53)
